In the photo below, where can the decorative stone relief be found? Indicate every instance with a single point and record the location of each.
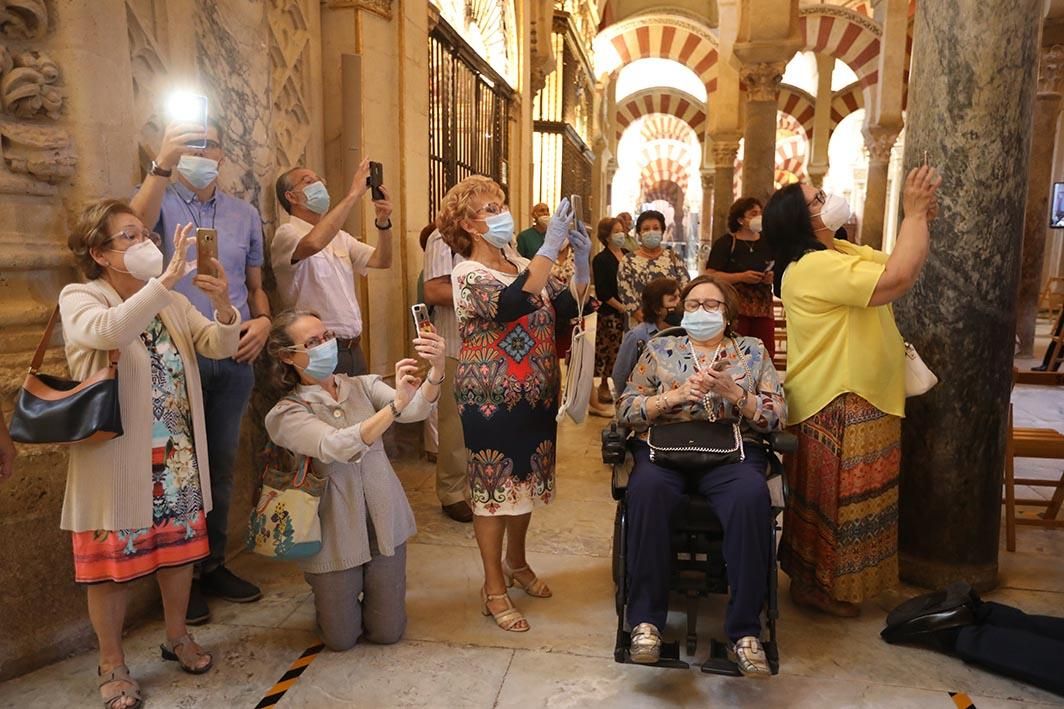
(762, 81)
(290, 80)
(724, 152)
(149, 63)
(36, 157)
(23, 19)
(540, 47)
(879, 141)
(1051, 70)
(28, 84)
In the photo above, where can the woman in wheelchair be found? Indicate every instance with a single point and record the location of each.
(708, 374)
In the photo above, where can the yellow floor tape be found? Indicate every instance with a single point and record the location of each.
(290, 677)
(962, 700)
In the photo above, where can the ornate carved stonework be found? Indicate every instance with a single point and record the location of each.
(377, 7)
(290, 81)
(1051, 70)
(28, 84)
(23, 19)
(844, 13)
(539, 41)
(724, 152)
(879, 141)
(762, 81)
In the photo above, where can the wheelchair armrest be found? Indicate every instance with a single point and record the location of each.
(614, 443)
(619, 479)
(782, 441)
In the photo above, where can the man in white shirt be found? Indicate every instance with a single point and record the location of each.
(315, 261)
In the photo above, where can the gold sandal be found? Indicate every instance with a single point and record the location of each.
(508, 618)
(749, 656)
(535, 587)
(120, 674)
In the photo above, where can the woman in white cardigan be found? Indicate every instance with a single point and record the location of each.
(137, 504)
(359, 576)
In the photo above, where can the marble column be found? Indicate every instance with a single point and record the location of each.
(725, 149)
(1043, 137)
(706, 236)
(762, 82)
(974, 69)
(818, 161)
(878, 140)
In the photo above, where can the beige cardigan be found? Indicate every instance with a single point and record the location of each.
(109, 483)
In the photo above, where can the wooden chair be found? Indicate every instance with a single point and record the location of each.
(1051, 299)
(780, 360)
(1031, 443)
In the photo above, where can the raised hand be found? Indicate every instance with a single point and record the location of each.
(179, 264)
(175, 143)
(581, 243)
(358, 183)
(432, 348)
(216, 287)
(919, 196)
(557, 231)
(383, 207)
(406, 382)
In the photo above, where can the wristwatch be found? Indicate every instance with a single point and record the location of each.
(741, 402)
(394, 408)
(159, 171)
(385, 227)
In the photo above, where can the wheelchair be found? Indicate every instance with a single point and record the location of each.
(697, 568)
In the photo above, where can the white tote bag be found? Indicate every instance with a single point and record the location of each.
(918, 377)
(580, 376)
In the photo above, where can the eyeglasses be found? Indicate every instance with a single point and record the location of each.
(494, 209)
(312, 342)
(820, 197)
(207, 145)
(709, 305)
(132, 235)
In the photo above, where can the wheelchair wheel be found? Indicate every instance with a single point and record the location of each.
(617, 558)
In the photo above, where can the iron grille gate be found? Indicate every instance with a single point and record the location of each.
(469, 106)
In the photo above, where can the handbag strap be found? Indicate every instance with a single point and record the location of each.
(46, 338)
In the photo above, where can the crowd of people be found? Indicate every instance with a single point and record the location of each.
(669, 351)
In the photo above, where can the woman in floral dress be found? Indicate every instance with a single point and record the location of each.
(136, 504)
(650, 262)
(507, 379)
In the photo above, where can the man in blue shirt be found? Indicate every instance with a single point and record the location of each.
(193, 196)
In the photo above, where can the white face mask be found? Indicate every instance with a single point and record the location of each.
(755, 224)
(143, 261)
(835, 212)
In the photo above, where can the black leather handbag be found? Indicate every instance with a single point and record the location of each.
(55, 410)
(696, 446)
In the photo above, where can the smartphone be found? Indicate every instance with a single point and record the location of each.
(189, 108)
(376, 179)
(577, 203)
(420, 311)
(768, 266)
(206, 249)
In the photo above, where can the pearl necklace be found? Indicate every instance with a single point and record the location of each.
(707, 398)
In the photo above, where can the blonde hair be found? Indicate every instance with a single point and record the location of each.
(91, 231)
(457, 205)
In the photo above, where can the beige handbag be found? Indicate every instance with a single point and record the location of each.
(918, 378)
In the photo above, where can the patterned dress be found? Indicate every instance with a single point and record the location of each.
(507, 385)
(637, 271)
(610, 325)
(178, 534)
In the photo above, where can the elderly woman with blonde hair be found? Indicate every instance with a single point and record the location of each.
(507, 381)
(137, 504)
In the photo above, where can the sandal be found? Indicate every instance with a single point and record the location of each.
(186, 658)
(645, 647)
(120, 674)
(508, 618)
(750, 657)
(817, 599)
(535, 587)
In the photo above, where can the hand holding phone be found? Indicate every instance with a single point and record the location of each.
(769, 266)
(191, 109)
(420, 313)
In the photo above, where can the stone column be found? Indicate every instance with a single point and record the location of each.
(707, 205)
(762, 82)
(1043, 137)
(818, 161)
(973, 69)
(724, 151)
(879, 140)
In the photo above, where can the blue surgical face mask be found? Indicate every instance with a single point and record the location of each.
(317, 197)
(322, 360)
(650, 239)
(199, 172)
(618, 239)
(500, 229)
(703, 326)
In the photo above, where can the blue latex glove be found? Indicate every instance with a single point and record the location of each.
(581, 242)
(557, 231)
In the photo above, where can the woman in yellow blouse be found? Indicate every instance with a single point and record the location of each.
(845, 390)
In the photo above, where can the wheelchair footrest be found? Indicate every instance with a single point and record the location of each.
(670, 654)
(719, 664)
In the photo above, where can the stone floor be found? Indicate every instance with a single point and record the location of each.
(453, 657)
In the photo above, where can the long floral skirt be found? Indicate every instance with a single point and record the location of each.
(609, 331)
(840, 526)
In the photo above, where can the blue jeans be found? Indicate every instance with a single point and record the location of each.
(227, 386)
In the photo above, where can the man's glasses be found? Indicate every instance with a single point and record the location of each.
(312, 342)
(133, 235)
(709, 305)
(207, 145)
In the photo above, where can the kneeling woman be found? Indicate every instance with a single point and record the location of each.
(709, 374)
(365, 518)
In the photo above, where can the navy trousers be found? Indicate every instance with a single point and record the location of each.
(739, 496)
